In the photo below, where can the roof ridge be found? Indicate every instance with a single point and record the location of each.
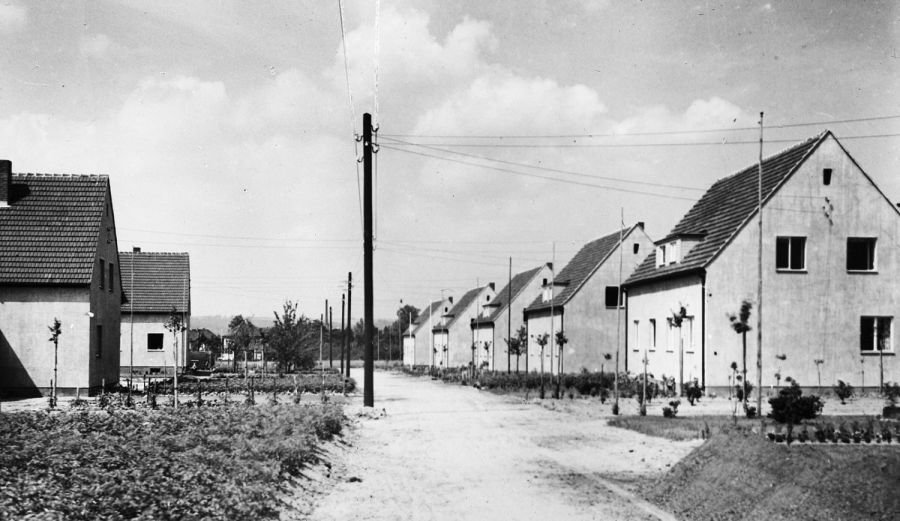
(770, 157)
(154, 253)
(68, 176)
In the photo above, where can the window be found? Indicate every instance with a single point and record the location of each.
(860, 254)
(652, 333)
(674, 253)
(613, 296)
(875, 334)
(98, 345)
(154, 341)
(826, 176)
(102, 272)
(661, 256)
(790, 253)
(112, 271)
(687, 326)
(636, 247)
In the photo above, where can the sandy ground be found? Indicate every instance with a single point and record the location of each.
(430, 450)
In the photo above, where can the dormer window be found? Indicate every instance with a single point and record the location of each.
(660, 256)
(674, 251)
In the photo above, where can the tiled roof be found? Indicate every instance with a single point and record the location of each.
(422, 319)
(723, 210)
(517, 284)
(577, 271)
(161, 281)
(49, 233)
(460, 306)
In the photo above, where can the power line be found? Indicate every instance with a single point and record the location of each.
(352, 109)
(161, 232)
(635, 145)
(548, 169)
(653, 133)
(516, 172)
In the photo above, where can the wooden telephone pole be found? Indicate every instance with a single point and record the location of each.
(349, 322)
(368, 286)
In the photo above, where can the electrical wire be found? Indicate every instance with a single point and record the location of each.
(352, 111)
(526, 174)
(636, 145)
(653, 133)
(548, 169)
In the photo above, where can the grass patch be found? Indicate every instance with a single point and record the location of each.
(738, 476)
(683, 428)
(229, 462)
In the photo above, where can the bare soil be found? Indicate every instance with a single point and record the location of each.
(430, 450)
(738, 476)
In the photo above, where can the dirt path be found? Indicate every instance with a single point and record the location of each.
(440, 451)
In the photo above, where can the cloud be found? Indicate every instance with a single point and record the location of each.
(714, 112)
(12, 17)
(96, 45)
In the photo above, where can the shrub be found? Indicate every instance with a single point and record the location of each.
(693, 392)
(750, 412)
(739, 391)
(843, 391)
(672, 410)
(790, 406)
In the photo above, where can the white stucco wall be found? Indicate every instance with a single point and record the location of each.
(144, 358)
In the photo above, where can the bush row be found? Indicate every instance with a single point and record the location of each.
(304, 383)
(871, 431)
(219, 463)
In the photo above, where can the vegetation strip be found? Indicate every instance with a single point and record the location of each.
(230, 462)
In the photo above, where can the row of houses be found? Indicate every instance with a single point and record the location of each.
(59, 259)
(830, 246)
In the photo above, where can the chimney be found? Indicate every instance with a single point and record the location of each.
(136, 249)
(5, 181)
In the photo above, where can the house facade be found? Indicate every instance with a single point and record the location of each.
(417, 337)
(584, 302)
(452, 335)
(58, 260)
(498, 319)
(830, 262)
(156, 284)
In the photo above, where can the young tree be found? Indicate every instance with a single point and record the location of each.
(515, 346)
(542, 341)
(55, 331)
(677, 319)
(175, 325)
(561, 341)
(240, 330)
(286, 339)
(741, 325)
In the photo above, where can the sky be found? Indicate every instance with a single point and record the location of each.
(505, 129)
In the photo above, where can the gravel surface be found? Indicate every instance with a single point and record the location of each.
(430, 450)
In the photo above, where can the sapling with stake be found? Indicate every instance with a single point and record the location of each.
(677, 320)
(55, 331)
(175, 325)
(740, 324)
(542, 341)
(561, 341)
(819, 363)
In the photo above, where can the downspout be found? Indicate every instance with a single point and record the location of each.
(703, 329)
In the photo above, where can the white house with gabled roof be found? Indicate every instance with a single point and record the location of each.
(831, 262)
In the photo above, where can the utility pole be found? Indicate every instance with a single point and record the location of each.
(330, 338)
(343, 333)
(618, 317)
(325, 326)
(368, 297)
(509, 320)
(759, 273)
(321, 362)
(349, 322)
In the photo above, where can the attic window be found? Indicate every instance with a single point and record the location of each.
(636, 247)
(826, 176)
(613, 295)
(488, 298)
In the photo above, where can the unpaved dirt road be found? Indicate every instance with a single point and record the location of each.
(439, 451)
